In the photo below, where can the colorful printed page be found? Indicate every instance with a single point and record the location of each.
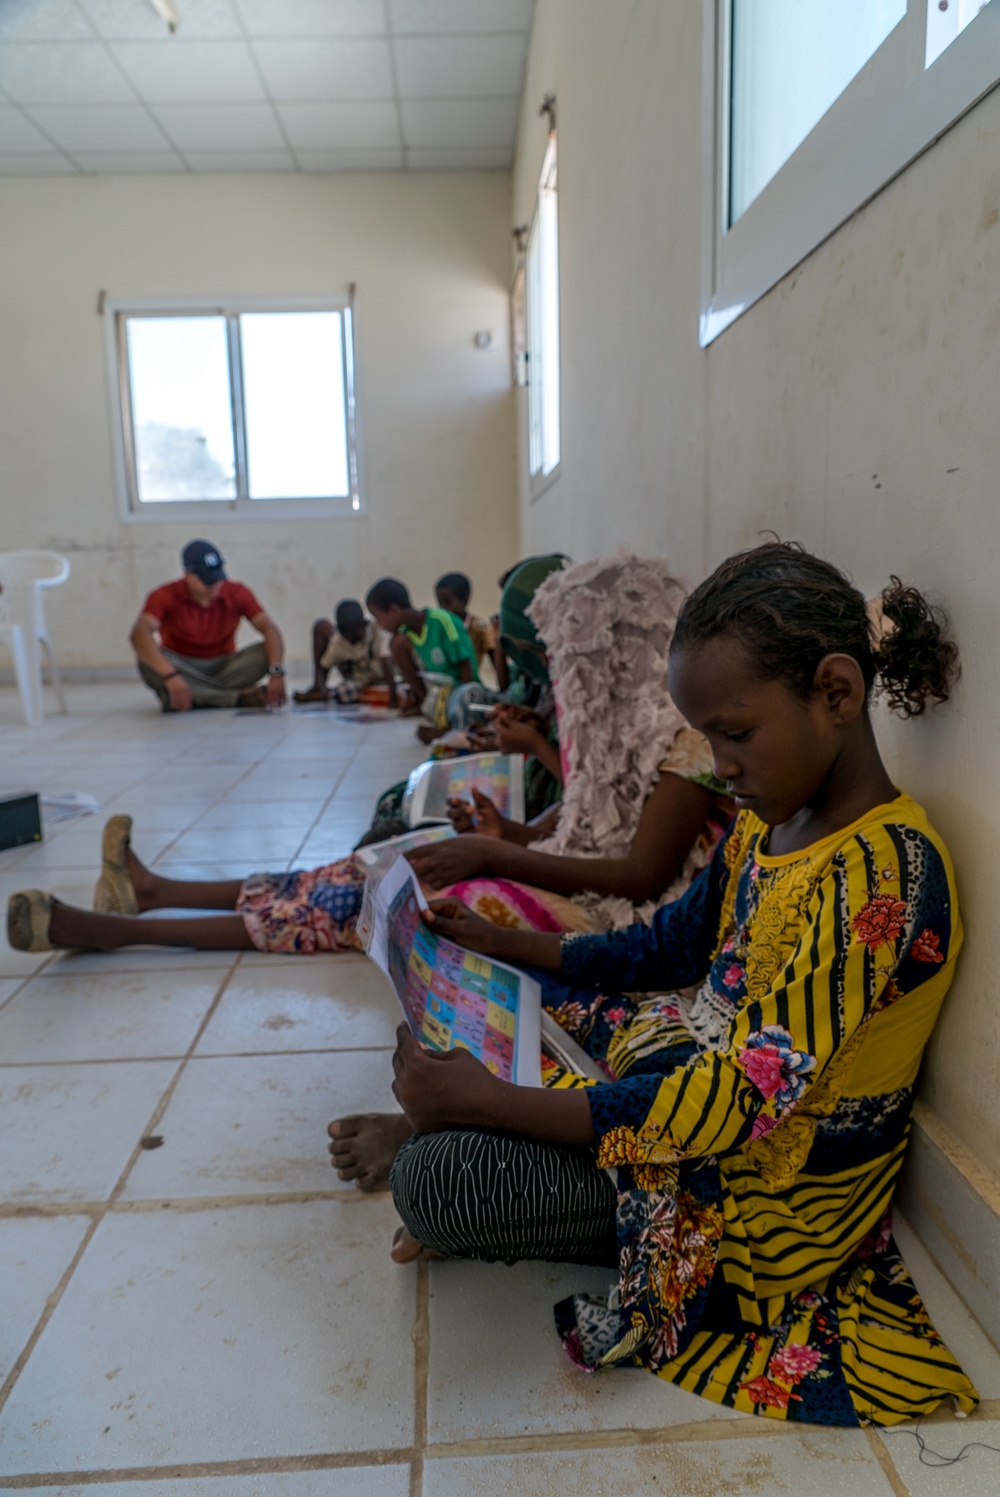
(450, 996)
(432, 785)
(405, 843)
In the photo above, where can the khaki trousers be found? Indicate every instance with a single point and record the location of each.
(216, 682)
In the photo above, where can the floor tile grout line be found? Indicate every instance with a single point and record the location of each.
(569, 1440)
(337, 784)
(126, 1060)
(54, 1299)
(881, 1453)
(251, 766)
(49, 1308)
(18, 1210)
(20, 985)
(172, 1085)
(256, 1466)
(421, 1376)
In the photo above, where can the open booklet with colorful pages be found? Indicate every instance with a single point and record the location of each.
(406, 842)
(450, 996)
(432, 785)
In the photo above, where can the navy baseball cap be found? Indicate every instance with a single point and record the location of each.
(201, 558)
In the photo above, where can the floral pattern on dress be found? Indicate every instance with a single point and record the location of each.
(775, 1067)
(927, 947)
(880, 922)
(669, 1241)
(308, 911)
(825, 943)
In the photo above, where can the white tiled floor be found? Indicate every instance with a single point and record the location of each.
(218, 1316)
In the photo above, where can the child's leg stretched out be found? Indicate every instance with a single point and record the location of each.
(308, 911)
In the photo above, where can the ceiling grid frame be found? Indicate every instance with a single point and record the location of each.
(332, 133)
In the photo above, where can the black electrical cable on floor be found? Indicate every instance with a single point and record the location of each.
(935, 1458)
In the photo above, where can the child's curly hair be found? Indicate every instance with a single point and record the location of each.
(790, 609)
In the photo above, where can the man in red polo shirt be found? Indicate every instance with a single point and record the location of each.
(194, 662)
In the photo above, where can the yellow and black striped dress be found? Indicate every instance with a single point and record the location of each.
(757, 1120)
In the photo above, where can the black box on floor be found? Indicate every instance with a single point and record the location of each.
(20, 820)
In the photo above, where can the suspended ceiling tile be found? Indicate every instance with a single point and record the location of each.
(315, 70)
(42, 21)
(240, 161)
(175, 72)
(61, 73)
(133, 163)
(288, 18)
(18, 134)
(459, 122)
(460, 15)
(369, 126)
(136, 20)
(457, 67)
(488, 159)
(101, 127)
(350, 161)
(36, 164)
(221, 127)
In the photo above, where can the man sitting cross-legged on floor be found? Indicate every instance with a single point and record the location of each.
(195, 662)
(356, 648)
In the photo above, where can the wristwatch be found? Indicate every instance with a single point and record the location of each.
(276, 670)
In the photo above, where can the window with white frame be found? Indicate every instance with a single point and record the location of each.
(811, 107)
(235, 406)
(542, 315)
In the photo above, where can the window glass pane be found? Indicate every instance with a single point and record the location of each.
(293, 396)
(181, 414)
(946, 21)
(543, 329)
(791, 59)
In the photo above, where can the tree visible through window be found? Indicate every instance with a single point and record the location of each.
(231, 406)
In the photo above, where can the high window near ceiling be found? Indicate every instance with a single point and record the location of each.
(246, 409)
(542, 330)
(811, 107)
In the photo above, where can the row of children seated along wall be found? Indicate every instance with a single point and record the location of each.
(427, 661)
(738, 916)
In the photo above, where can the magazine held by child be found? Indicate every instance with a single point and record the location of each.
(376, 852)
(432, 785)
(450, 997)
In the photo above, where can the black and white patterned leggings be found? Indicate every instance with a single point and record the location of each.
(490, 1196)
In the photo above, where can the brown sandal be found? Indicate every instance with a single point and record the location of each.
(29, 915)
(114, 893)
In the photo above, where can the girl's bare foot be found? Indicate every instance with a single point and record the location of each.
(143, 882)
(406, 1249)
(364, 1147)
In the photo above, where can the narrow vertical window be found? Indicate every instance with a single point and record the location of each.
(542, 296)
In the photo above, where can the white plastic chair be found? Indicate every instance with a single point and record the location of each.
(24, 575)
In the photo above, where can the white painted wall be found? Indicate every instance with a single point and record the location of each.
(855, 408)
(430, 257)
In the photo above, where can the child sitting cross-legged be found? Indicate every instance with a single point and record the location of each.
(425, 642)
(760, 1038)
(356, 649)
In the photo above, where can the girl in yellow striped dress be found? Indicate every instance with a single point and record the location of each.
(761, 1039)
